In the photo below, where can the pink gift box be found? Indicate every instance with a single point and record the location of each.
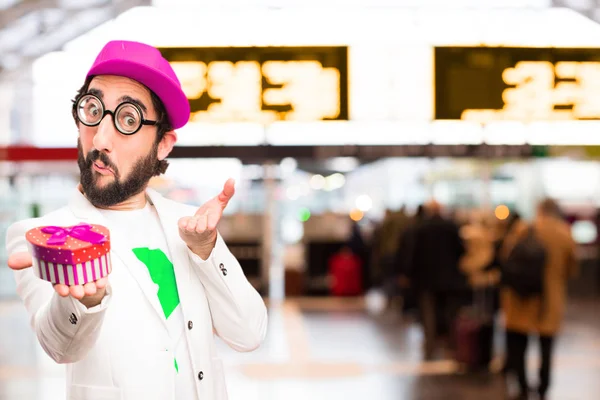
(73, 255)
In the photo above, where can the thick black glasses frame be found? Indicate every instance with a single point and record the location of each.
(112, 114)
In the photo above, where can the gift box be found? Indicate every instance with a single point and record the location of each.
(73, 255)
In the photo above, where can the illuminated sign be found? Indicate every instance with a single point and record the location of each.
(485, 84)
(263, 84)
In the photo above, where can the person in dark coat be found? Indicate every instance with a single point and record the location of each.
(435, 275)
(404, 259)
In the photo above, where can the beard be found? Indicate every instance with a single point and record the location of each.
(120, 189)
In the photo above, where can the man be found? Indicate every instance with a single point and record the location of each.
(435, 275)
(146, 331)
(541, 315)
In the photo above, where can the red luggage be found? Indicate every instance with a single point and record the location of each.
(345, 269)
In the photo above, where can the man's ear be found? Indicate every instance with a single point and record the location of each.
(166, 144)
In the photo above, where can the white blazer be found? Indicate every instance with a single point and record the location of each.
(121, 349)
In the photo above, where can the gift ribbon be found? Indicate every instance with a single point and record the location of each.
(80, 231)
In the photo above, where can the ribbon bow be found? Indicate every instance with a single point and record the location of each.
(80, 231)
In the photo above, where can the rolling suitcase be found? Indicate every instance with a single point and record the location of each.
(474, 332)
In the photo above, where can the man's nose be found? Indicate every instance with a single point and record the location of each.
(103, 139)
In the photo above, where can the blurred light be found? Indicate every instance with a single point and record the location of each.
(252, 172)
(584, 232)
(553, 133)
(292, 230)
(220, 134)
(214, 172)
(375, 302)
(304, 214)
(304, 189)
(439, 25)
(342, 164)
(293, 192)
(317, 182)
(455, 132)
(288, 165)
(356, 215)
(502, 212)
(557, 178)
(505, 132)
(334, 181)
(364, 202)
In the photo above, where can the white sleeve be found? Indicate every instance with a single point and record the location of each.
(65, 328)
(238, 311)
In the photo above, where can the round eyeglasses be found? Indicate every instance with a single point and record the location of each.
(127, 117)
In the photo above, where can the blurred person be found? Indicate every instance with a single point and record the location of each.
(361, 248)
(461, 216)
(435, 276)
(478, 238)
(504, 227)
(501, 230)
(404, 259)
(147, 330)
(392, 228)
(477, 320)
(376, 256)
(541, 314)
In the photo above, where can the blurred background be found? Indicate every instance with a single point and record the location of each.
(349, 127)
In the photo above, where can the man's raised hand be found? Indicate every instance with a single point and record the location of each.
(199, 231)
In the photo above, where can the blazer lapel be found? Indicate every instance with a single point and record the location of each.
(177, 247)
(85, 211)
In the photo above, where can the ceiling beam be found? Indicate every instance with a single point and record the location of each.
(21, 9)
(47, 25)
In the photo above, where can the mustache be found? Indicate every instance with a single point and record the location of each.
(97, 155)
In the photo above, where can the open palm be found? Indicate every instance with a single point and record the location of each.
(199, 231)
(23, 260)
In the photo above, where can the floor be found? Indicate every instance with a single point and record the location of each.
(329, 349)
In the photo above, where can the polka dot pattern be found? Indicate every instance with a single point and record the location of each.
(72, 251)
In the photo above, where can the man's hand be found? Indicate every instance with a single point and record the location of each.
(199, 231)
(90, 294)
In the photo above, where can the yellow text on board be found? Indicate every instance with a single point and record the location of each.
(542, 90)
(311, 91)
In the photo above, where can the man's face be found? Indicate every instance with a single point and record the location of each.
(114, 166)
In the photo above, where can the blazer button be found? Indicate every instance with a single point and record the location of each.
(190, 325)
(224, 272)
(200, 375)
(221, 266)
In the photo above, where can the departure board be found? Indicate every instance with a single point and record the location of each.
(263, 84)
(486, 84)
